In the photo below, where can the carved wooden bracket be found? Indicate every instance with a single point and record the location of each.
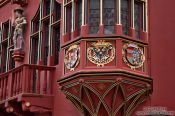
(107, 97)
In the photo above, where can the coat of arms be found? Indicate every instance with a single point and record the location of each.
(72, 57)
(133, 55)
(101, 53)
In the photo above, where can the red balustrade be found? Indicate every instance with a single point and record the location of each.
(26, 79)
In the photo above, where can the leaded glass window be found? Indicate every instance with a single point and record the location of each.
(79, 15)
(109, 16)
(46, 42)
(69, 19)
(6, 61)
(125, 16)
(45, 36)
(57, 11)
(138, 11)
(47, 6)
(56, 33)
(57, 43)
(35, 50)
(94, 16)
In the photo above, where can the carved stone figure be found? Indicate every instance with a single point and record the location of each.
(18, 23)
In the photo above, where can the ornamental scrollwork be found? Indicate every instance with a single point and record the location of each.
(72, 57)
(101, 53)
(133, 55)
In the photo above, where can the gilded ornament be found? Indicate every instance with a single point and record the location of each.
(72, 57)
(133, 55)
(101, 53)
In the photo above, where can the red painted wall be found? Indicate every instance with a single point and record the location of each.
(162, 46)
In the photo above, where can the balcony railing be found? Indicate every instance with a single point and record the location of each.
(26, 79)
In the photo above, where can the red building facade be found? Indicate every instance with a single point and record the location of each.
(87, 57)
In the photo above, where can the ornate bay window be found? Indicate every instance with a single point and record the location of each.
(103, 17)
(45, 33)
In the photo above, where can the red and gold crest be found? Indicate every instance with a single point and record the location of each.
(133, 55)
(101, 53)
(72, 57)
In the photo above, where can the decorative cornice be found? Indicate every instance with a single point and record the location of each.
(3, 2)
(91, 38)
(145, 78)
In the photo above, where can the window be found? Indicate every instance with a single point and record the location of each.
(45, 33)
(47, 7)
(135, 12)
(35, 50)
(79, 16)
(138, 18)
(104, 16)
(6, 43)
(56, 33)
(46, 41)
(94, 16)
(34, 41)
(125, 16)
(109, 16)
(69, 19)
(57, 11)
(56, 43)
(72, 18)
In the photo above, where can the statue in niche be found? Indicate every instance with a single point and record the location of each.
(18, 22)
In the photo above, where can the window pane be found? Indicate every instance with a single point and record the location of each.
(109, 16)
(138, 18)
(46, 42)
(57, 43)
(125, 16)
(79, 15)
(57, 11)
(69, 19)
(35, 50)
(94, 18)
(47, 6)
